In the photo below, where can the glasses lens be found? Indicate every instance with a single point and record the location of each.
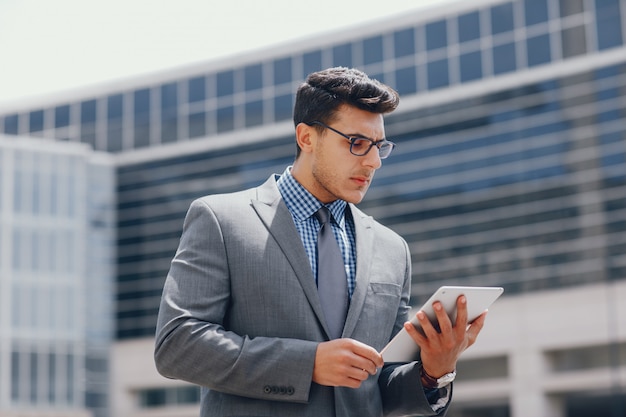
(360, 146)
(385, 149)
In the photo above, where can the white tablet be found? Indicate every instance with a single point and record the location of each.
(402, 348)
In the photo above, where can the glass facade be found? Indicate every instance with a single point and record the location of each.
(443, 52)
(494, 182)
(56, 318)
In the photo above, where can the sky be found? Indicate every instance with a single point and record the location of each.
(50, 46)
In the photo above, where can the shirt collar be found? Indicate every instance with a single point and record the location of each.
(302, 204)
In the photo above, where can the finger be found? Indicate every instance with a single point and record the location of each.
(442, 318)
(427, 327)
(368, 357)
(461, 311)
(474, 329)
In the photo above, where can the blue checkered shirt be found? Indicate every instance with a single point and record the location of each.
(302, 205)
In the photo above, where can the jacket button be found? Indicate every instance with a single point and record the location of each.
(267, 389)
(290, 390)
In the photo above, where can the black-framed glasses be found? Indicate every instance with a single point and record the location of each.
(361, 146)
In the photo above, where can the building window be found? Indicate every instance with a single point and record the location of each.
(471, 66)
(282, 71)
(469, 27)
(141, 110)
(404, 42)
(225, 83)
(535, 11)
(162, 397)
(225, 119)
(197, 124)
(88, 122)
(311, 62)
(570, 7)
(406, 80)
(253, 77)
(573, 41)
(254, 113)
(35, 121)
(502, 18)
(342, 55)
(283, 107)
(436, 35)
(373, 50)
(115, 114)
(504, 58)
(608, 24)
(438, 74)
(62, 116)
(169, 112)
(538, 50)
(196, 89)
(11, 124)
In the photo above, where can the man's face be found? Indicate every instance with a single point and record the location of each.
(335, 172)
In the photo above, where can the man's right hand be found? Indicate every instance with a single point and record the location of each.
(345, 363)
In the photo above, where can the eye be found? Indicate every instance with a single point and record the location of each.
(360, 144)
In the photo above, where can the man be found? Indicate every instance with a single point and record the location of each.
(242, 314)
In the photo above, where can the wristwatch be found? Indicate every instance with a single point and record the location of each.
(432, 382)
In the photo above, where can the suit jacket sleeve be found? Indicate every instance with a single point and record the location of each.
(193, 340)
(400, 383)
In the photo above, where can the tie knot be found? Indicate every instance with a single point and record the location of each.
(323, 215)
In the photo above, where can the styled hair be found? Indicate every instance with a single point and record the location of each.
(323, 92)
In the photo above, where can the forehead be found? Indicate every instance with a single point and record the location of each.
(357, 121)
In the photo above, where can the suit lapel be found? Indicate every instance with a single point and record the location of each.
(364, 249)
(276, 216)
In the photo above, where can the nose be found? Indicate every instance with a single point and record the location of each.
(372, 158)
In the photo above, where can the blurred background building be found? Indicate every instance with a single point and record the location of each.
(510, 170)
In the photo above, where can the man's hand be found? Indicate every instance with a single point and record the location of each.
(441, 349)
(345, 363)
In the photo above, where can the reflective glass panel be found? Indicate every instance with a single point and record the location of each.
(311, 62)
(373, 50)
(11, 124)
(470, 65)
(438, 74)
(609, 23)
(406, 80)
(253, 77)
(196, 89)
(342, 55)
(254, 113)
(504, 58)
(283, 107)
(535, 11)
(62, 116)
(436, 35)
(469, 26)
(225, 83)
(538, 50)
(35, 121)
(570, 7)
(282, 71)
(404, 42)
(573, 41)
(502, 18)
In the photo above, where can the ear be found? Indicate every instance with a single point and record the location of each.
(305, 137)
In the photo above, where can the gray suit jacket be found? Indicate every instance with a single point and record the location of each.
(240, 314)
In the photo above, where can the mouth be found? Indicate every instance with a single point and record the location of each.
(361, 180)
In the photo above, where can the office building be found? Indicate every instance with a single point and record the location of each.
(510, 170)
(56, 269)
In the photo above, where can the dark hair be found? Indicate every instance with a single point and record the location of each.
(323, 92)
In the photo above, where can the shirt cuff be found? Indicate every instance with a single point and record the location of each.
(438, 398)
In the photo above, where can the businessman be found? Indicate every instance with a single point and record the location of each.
(280, 298)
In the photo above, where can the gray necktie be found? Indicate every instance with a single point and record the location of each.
(331, 276)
